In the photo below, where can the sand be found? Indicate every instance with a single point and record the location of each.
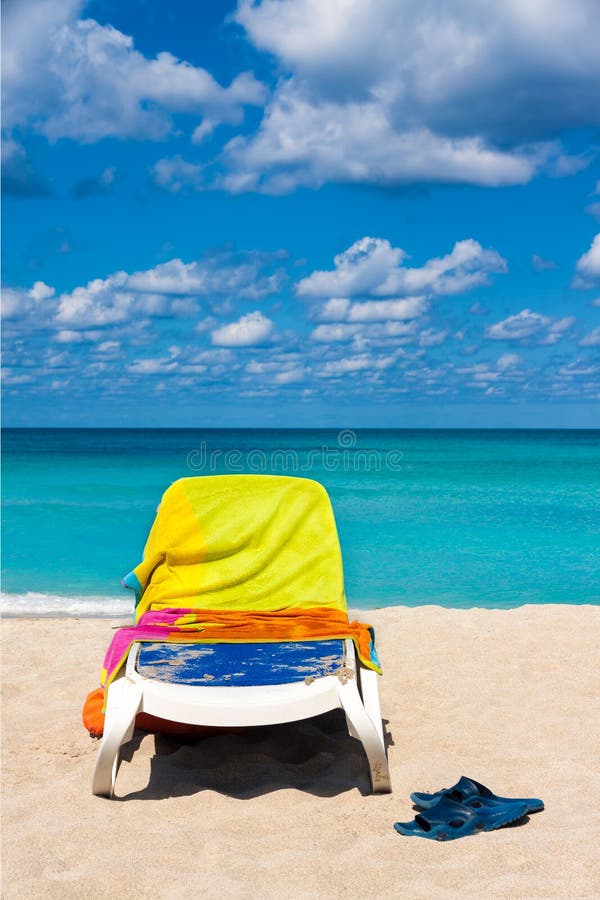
(508, 697)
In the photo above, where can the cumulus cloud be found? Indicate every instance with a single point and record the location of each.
(344, 331)
(280, 370)
(338, 332)
(176, 326)
(71, 77)
(20, 304)
(497, 378)
(511, 71)
(174, 174)
(302, 143)
(588, 266)
(387, 310)
(110, 301)
(65, 336)
(508, 361)
(592, 339)
(358, 270)
(429, 337)
(214, 356)
(172, 289)
(109, 347)
(100, 302)
(218, 275)
(154, 366)
(252, 329)
(372, 266)
(291, 376)
(397, 92)
(351, 365)
(527, 325)
(343, 310)
(383, 93)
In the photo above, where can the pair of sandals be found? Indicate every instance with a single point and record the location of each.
(466, 808)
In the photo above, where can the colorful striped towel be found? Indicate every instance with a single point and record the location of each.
(209, 627)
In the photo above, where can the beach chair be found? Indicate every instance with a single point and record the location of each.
(260, 555)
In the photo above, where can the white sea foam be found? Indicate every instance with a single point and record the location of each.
(57, 606)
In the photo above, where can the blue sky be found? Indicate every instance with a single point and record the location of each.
(297, 213)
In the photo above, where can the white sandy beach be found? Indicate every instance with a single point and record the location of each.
(509, 698)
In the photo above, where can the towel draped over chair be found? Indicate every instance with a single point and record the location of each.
(225, 562)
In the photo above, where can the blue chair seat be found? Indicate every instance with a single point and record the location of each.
(240, 664)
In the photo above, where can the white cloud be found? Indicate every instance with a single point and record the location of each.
(588, 265)
(206, 277)
(347, 366)
(174, 174)
(334, 310)
(577, 368)
(109, 347)
(358, 270)
(101, 302)
(432, 338)
(502, 374)
(592, 339)
(10, 377)
(291, 376)
(386, 310)
(528, 324)
(280, 369)
(251, 329)
(215, 356)
(390, 92)
(459, 66)
(77, 337)
(304, 143)
(20, 304)
(157, 366)
(170, 289)
(353, 364)
(344, 331)
(372, 266)
(343, 310)
(41, 291)
(508, 361)
(339, 332)
(71, 77)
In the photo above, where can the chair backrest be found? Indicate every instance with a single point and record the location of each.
(260, 542)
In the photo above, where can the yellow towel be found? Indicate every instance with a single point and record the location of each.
(241, 542)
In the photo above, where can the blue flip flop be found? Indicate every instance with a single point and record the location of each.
(468, 788)
(448, 820)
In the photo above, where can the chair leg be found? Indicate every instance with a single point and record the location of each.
(369, 691)
(369, 736)
(123, 702)
(351, 729)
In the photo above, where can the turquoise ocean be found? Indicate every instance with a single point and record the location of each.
(458, 518)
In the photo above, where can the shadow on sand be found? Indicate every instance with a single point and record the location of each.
(316, 756)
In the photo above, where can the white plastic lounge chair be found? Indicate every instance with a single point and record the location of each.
(232, 685)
